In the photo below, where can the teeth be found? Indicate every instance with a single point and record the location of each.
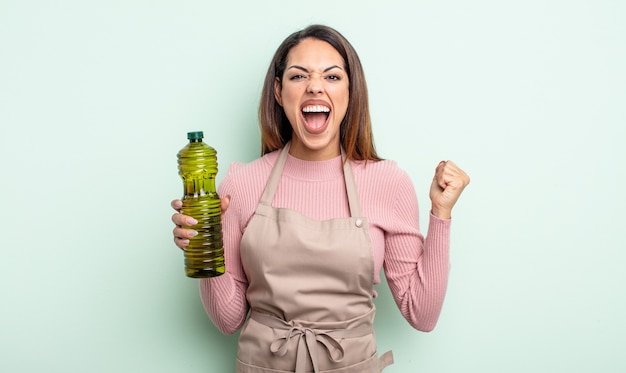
(316, 109)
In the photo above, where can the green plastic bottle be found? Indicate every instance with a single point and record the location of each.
(197, 166)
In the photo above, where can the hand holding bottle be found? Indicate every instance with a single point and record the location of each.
(182, 235)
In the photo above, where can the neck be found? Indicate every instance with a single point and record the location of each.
(301, 151)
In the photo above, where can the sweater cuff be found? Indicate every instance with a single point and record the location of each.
(436, 218)
(438, 227)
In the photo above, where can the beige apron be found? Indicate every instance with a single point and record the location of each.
(310, 289)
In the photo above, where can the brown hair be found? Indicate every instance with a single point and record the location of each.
(356, 127)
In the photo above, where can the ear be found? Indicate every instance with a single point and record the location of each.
(278, 87)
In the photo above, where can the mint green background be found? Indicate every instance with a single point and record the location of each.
(528, 96)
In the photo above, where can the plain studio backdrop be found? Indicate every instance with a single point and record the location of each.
(96, 98)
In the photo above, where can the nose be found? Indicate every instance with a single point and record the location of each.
(315, 85)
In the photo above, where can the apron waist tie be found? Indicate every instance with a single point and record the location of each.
(308, 338)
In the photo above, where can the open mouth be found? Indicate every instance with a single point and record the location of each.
(315, 117)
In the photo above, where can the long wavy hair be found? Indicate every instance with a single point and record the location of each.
(356, 127)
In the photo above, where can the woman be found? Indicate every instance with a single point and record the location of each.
(309, 225)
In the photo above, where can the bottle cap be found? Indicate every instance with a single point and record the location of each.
(195, 135)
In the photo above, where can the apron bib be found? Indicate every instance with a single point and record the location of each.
(310, 289)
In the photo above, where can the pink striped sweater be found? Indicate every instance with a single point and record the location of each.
(416, 268)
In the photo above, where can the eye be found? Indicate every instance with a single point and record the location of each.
(297, 77)
(333, 77)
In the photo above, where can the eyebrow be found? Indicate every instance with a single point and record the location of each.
(306, 70)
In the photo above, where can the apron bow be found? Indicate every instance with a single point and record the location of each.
(307, 342)
(308, 339)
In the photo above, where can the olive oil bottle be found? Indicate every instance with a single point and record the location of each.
(197, 166)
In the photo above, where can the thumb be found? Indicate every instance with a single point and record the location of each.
(224, 203)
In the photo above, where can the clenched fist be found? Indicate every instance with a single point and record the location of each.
(447, 186)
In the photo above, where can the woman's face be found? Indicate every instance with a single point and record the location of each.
(314, 92)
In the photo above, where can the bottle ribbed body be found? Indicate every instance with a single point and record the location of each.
(197, 167)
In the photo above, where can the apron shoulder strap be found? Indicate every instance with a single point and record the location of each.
(274, 179)
(353, 195)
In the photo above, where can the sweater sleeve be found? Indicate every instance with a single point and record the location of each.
(416, 268)
(224, 297)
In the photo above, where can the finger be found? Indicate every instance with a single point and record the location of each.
(451, 165)
(455, 175)
(453, 171)
(180, 220)
(181, 243)
(182, 236)
(177, 204)
(439, 174)
(440, 166)
(184, 233)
